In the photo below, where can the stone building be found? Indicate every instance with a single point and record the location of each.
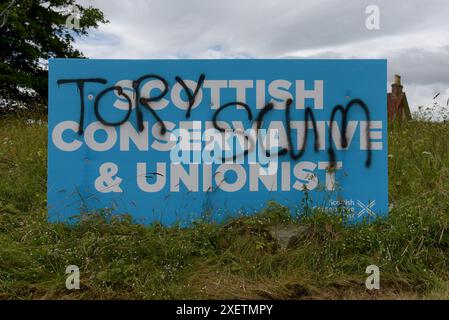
(397, 103)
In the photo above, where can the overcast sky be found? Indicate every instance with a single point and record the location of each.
(413, 34)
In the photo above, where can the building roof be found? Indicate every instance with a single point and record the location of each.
(397, 104)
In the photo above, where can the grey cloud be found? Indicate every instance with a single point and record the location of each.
(277, 28)
(261, 28)
(422, 66)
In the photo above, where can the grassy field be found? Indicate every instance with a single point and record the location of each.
(121, 260)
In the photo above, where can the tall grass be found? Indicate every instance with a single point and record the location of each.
(240, 259)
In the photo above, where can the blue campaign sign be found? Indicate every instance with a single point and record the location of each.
(170, 140)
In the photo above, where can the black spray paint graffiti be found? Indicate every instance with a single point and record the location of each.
(308, 115)
(191, 96)
(146, 102)
(80, 84)
(97, 103)
(344, 124)
(250, 118)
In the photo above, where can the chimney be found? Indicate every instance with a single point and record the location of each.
(396, 87)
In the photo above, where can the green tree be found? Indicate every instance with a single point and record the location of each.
(31, 32)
